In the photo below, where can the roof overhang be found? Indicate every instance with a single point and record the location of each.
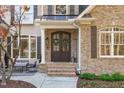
(84, 20)
(56, 24)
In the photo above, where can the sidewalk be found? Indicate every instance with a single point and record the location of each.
(41, 80)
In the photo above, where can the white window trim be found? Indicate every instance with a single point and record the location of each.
(29, 57)
(30, 47)
(27, 38)
(67, 10)
(112, 43)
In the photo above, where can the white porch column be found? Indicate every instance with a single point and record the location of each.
(42, 46)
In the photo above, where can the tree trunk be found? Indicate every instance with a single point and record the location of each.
(3, 66)
(3, 78)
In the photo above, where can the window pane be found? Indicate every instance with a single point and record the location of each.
(65, 42)
(118, 49)
(24, 48)
(24, 36)
(106, 29)
(105, 38)
(118, 38)
(15, 46)
(116, 29)
(33, 48)
(60, 9)
(105, 50)
(15, 53)
(56, 42)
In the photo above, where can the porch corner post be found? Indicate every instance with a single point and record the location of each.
(78, 26)
(42, 46)
(79, 49)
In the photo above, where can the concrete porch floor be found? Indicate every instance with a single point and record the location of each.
(41, 80)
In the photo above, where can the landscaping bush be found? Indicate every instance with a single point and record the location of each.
(112, 77)
(105, 77)
(87, 76)
(117, 77)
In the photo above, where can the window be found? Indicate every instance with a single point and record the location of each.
(56, 42)
(112, 42)
(28, 47)
(60, 9)
(15, 47)
(24, 47)
(33, 47)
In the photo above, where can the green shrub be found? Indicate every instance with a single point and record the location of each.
(112, 77)
(105, 77)
(87, 76)
(117, 77)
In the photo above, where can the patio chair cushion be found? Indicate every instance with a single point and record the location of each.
(32, 64)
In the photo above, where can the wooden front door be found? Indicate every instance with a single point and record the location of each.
(61, 47)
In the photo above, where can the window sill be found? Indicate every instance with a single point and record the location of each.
(112, 57)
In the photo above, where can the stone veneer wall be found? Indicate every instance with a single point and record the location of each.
(104, 16)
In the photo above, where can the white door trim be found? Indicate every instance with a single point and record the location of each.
(42, 46)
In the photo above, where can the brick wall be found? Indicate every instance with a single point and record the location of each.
(104, 16)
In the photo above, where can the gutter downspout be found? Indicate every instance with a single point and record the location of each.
(79, 47)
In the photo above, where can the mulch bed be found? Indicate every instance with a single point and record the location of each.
(83, 83)
(17, 84)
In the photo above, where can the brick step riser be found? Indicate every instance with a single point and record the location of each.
(61, 65)
(61, 71)
(60, 74)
